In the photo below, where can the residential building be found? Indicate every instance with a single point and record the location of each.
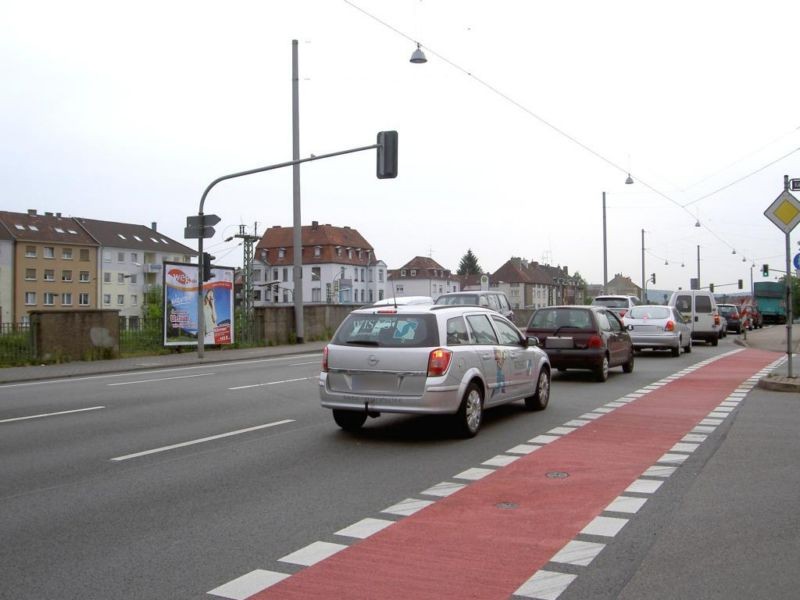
(338, 266)
(422, 276)
(54, 264)
(130, 263)
(621, 285)
(528, 284)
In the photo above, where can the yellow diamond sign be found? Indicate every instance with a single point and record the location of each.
(784, 212)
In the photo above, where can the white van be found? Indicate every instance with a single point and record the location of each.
(699, 309)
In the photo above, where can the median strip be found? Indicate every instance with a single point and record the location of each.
(201, 440)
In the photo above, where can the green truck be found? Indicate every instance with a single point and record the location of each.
(770, 297)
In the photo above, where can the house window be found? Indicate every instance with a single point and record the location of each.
(256, 274)
(83, 299)
(66, 275)
(402, 272)
(281, 252)
(399, 290)
(315, 273)
(66, 299)
(30, 298)
(106, 256)
(316, 295)
(85, 255)
(49, 252)
(132, 277)
(370, 297)
(338, 250)
(49, 298)
(285, 276)
(317, 251)
(349, 253)
(134, 257)
(120, 277)
(359, 256)
(380, 277)
(413, 272)
(355, 274)
(84, 276)
(66, 253)
(274, 274)
(106, 298)
(134, 300)
(120, 257)
(49, 275)
(106, 277)
(362, 276)
(120, 299)
(30, 274)
(30, 251)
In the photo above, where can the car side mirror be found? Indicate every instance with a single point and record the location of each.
(629, 327)
(533, 341)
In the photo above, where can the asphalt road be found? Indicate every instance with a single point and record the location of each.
(171, 482)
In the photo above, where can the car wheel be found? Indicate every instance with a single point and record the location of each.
(470, 413)
(601, 373)
(715, 341)
(628, 366)
(676, 351)
(349, 420)
(688, 348)
(541, 397)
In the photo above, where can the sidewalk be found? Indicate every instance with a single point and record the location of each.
(773, 338)
(119, 365)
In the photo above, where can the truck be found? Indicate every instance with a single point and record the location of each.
(770, 297)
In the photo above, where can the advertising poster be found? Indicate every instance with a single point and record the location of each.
(180, 305)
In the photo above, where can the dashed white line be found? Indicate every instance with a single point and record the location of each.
(248, 585)
(161, 379)
(201, 440)
(312, 554)
(52, 414)
(244, 387)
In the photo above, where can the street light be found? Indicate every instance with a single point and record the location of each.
(418, 56)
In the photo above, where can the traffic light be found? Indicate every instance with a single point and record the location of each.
(741, 284)
(387, 155)
(207, 258)
(765, 270)
(653, 278)
(711, 287)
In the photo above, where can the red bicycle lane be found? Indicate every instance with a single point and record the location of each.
(489, 538)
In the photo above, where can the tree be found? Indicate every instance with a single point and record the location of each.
(469, 264)
(580, 285)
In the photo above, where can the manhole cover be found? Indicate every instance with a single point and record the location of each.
(557, 475)
(506, 505)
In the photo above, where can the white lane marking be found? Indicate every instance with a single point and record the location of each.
(313, 553)
(474, 473)
(522, 449)
(684, 447)
(579, 553)
(444, 488)
(364, 528)
(659, 471)
(407, 507)
(201, 440)
(53, 414)
(234, 363)
(626, 504)
(673, 459)
(644, 486)
(545, 585)
(244, 387)
(544, 439)
(576, 423)
(311, 362)
(248, 585)
(501, 460)
(561, 430)
(161, 379)
(604, 526)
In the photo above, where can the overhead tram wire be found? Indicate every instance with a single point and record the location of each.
(529, 112)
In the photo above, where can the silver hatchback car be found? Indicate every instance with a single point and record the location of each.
(456, 360)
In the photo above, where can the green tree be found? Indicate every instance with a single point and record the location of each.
(580, 284)
(469, 264)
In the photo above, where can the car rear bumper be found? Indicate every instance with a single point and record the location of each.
(655, 340)
(436, 399)
(586, 358)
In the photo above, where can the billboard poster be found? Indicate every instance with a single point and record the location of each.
(180, 282)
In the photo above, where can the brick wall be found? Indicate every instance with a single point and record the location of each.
(64, 335)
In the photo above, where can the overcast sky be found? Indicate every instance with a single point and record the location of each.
(523, 115)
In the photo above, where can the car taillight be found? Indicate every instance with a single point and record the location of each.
(622, 312)
(716, 319)
(595, 342)
(670, 326)
(438, 362)
(325, 359)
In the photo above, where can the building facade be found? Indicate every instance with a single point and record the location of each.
(422, 276)
(338, 267)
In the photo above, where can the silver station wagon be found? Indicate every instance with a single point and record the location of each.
(456, 360)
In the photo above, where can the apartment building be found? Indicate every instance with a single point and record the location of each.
(422, 276)
(339, 266)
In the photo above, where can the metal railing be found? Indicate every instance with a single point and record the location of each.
(16, 344)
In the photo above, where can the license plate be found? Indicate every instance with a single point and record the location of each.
(559, 342)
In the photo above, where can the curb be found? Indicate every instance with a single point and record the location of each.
(780, 383)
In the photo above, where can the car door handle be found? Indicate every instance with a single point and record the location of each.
(487, 355)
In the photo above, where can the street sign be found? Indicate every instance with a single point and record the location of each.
(784, 212)
(796, 261)
(794, 185)
(197, 224)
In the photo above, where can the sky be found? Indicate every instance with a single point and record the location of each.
(525, 113)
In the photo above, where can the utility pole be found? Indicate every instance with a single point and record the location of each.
(246, 320)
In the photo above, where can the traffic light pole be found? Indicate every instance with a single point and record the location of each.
(290, 163)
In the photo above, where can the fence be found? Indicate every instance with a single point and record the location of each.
(16, 344)
(141, 336)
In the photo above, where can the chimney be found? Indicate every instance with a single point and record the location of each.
(48, 214)
(154, 226)
(314, 224)
(31, 211)
(58, 215)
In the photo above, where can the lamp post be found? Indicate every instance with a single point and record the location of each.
(698, 267)
(644, 294)
(605, 249)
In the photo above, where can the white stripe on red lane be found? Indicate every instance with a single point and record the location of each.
(466, 546)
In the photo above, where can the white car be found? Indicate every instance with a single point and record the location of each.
(658, 327)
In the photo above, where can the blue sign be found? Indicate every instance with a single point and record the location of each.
(797, 261)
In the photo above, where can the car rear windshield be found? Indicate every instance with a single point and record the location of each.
(649, 312)
(611, 302)
(727, 310)
(555, 318)
(388, 330)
